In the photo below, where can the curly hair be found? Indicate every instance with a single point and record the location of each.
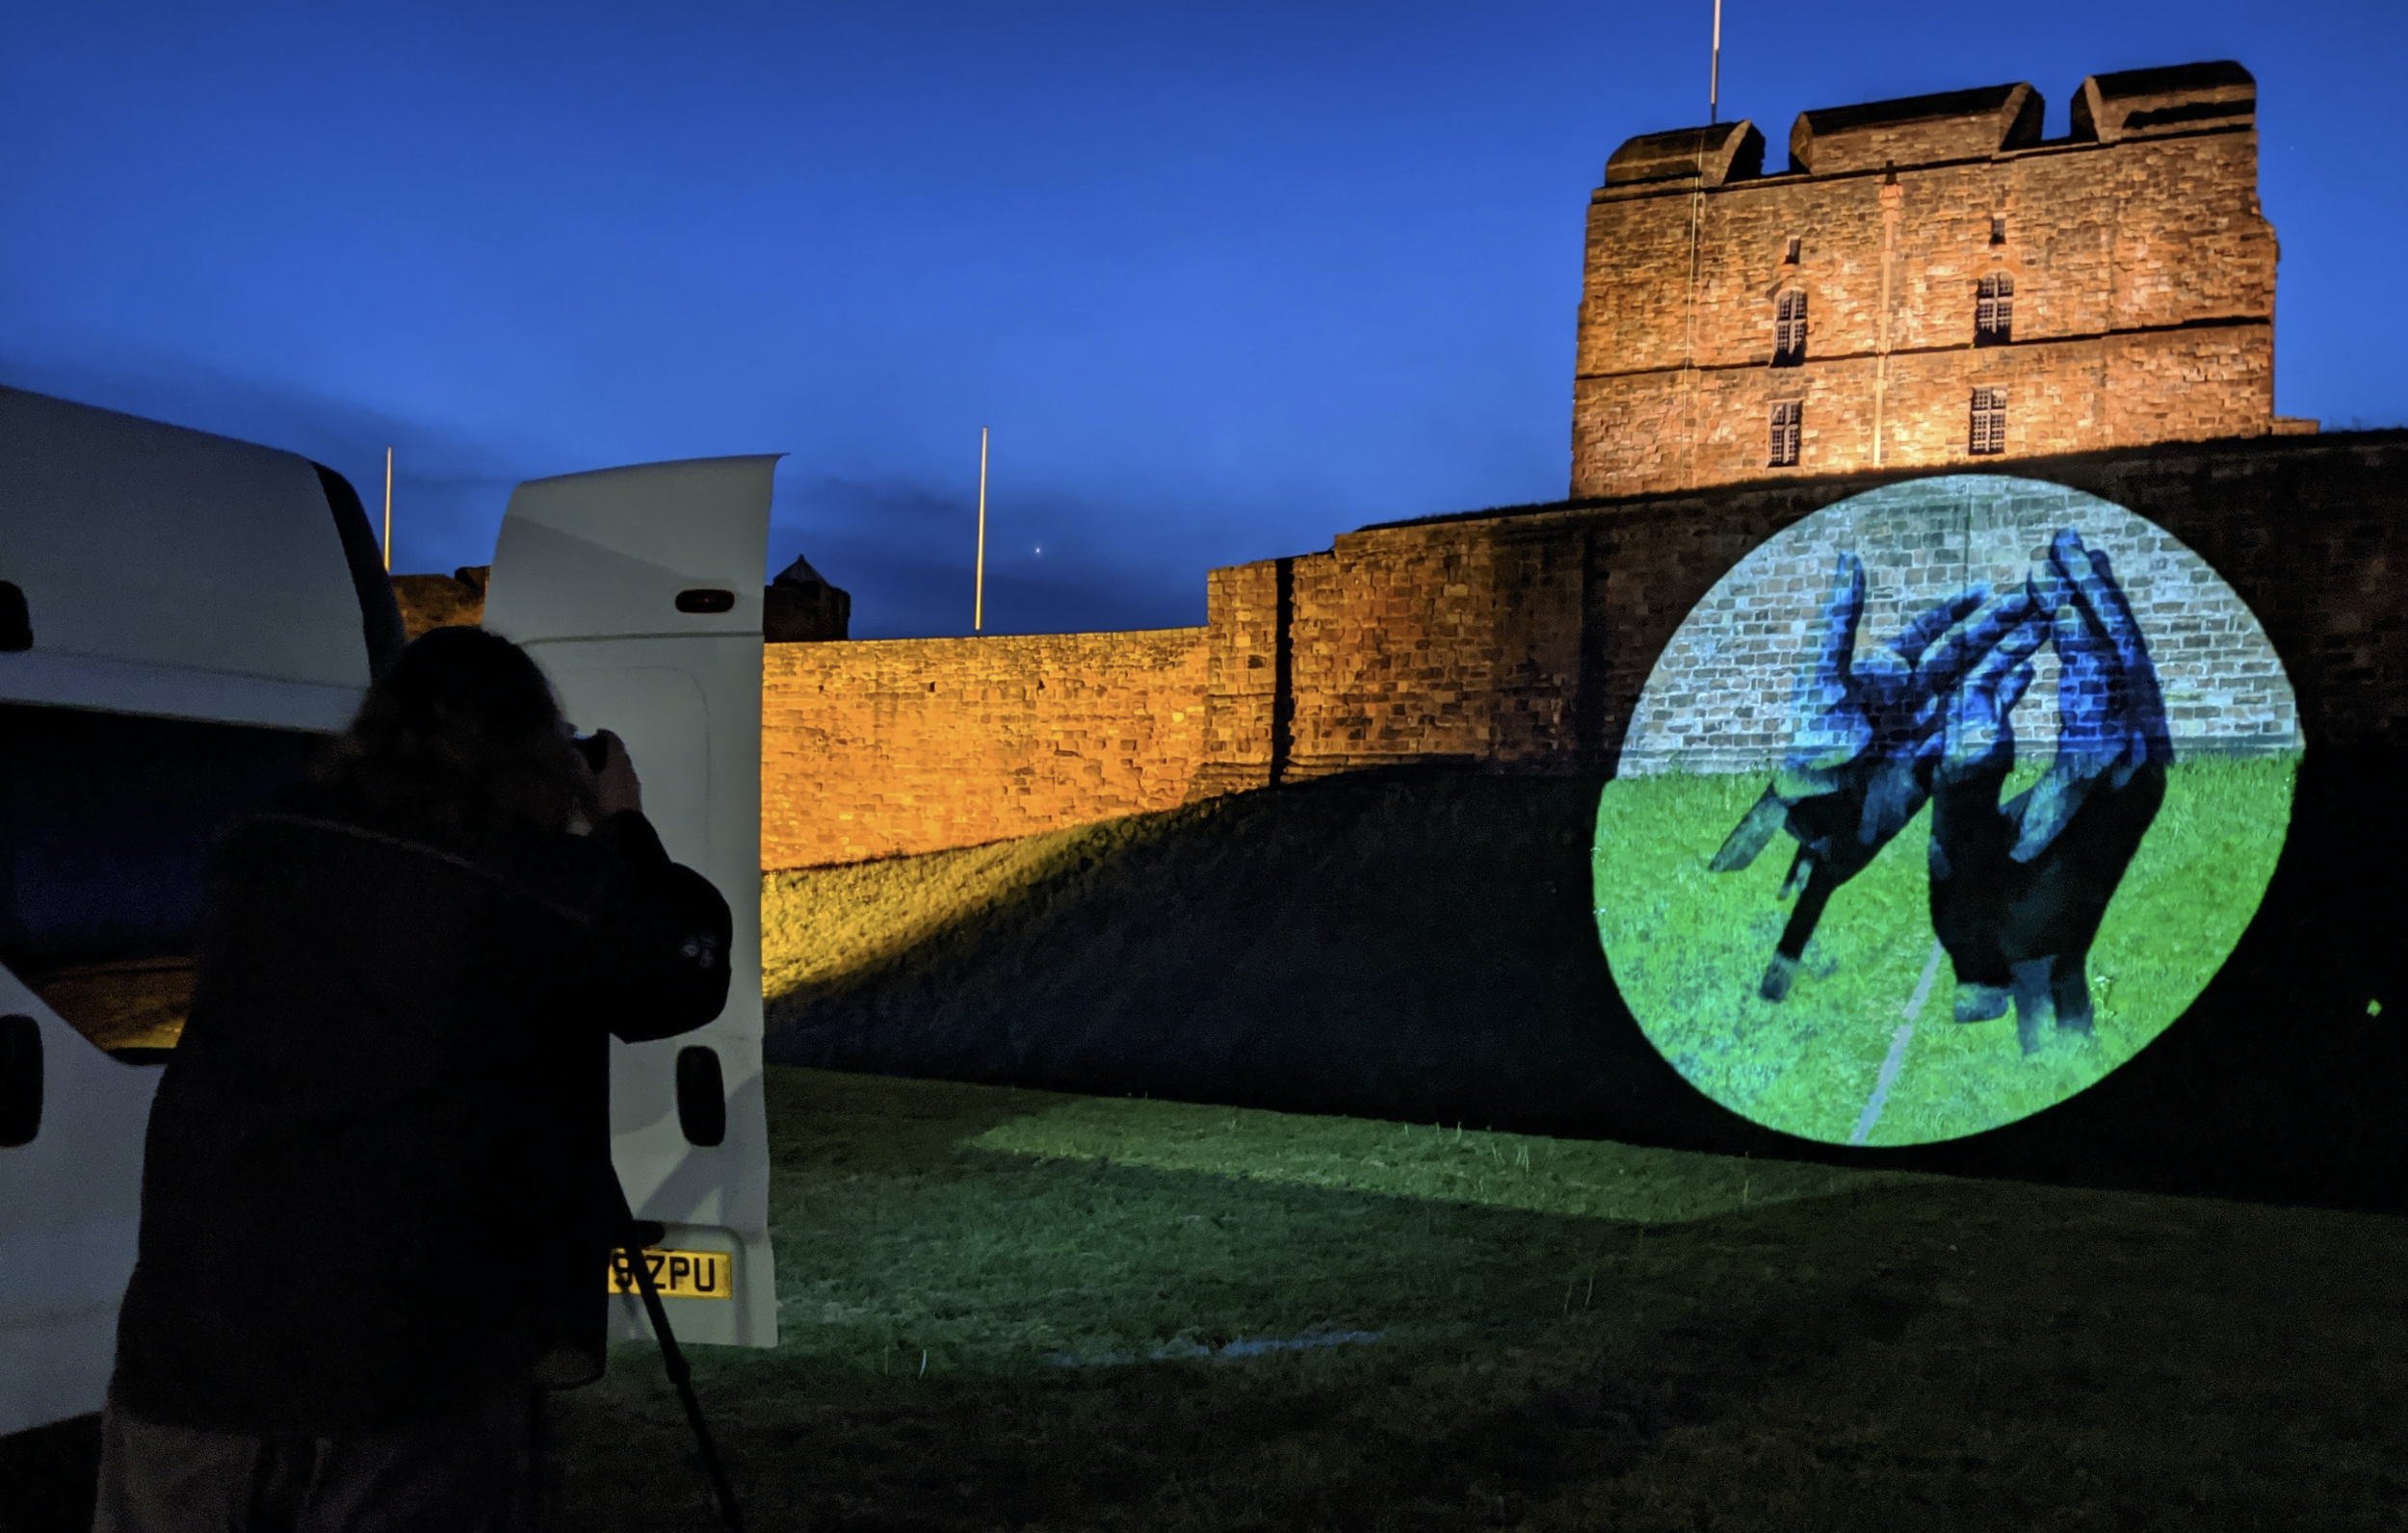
(460, 743)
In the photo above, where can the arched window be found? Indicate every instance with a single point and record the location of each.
(1994, 310)
(1789, 329)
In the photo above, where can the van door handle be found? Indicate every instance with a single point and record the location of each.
(20, 1080)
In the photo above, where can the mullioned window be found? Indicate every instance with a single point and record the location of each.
(1994, 310)
(1988, 433)
(1789, 329)
(1786, 418)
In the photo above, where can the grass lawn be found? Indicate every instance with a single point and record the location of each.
(1688, 946)
(1016, 1308)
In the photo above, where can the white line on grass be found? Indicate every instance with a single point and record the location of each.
(1898, 1049)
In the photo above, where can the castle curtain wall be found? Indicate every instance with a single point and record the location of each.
(876, 749)
(2312, 532)
(1501, 642)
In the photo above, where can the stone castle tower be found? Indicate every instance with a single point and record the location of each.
(1928, 283)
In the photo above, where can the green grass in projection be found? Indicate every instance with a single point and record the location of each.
(1688, 946)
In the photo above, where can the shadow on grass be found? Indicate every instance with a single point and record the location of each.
(1921, 1352)
(1399, 946)
(1422, 946)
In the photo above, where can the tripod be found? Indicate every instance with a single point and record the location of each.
(639, 1234)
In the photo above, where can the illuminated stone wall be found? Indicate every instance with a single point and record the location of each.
(1519, 641)
(874, 748)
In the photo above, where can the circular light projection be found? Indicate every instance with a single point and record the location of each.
(1939, 807)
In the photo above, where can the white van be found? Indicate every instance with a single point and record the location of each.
(183, 618)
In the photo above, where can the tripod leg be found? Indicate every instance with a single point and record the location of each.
(681, 1378)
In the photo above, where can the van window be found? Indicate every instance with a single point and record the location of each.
(106, 825)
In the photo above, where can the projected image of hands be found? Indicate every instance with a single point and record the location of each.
(2017, 888)
(1860, 763)
(2028, 761)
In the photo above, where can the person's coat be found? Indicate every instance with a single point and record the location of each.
(378, 1175)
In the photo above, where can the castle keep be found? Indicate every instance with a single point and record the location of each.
(1928, 284)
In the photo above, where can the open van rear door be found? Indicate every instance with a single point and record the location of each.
(638, 591)
(187, 617)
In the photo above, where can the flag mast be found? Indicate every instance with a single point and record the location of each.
(1713, 74)
(388, 503)
(977, 591)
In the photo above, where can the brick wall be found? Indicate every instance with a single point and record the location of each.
(1519, 641)
(2143, 307)
(882, 747)
(1721, 694)
(1666, 430)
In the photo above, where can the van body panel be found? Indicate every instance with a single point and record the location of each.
(70, 1201)
(212, 566)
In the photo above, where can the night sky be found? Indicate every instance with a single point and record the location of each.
(1225, 280)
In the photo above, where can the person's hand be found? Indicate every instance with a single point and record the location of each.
(2018, 890)
(1977, 720)
(1867, 734)
(615, 787)
(2110, 717)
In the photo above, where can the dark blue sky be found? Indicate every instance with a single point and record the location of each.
(1224, 279)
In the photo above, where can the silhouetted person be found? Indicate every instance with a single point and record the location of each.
(376, 1192)
(1860, 763)
(2018, 889)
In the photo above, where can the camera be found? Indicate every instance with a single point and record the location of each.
(594, 748)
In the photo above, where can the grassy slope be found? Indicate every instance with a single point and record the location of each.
(1571, 1336)
(1686, 947)
(1426, 948)
(1416, 947)
(820, 926)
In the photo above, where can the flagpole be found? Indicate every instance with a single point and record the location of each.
(389, 500)
(978, 597)
(1713, 74)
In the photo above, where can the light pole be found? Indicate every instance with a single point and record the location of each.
(977, 591)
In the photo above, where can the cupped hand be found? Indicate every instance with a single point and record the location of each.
(1868, 734)
(2111, 715)
(2018, 890)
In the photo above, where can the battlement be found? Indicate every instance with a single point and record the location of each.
(1913, 132)
(1929, 282)
(2149, 103)
(1917, 130)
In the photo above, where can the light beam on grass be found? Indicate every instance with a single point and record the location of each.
(1571, 1178)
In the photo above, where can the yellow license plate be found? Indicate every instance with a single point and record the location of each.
(676, 1274)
